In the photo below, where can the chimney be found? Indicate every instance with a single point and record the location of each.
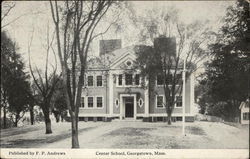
(107, 46)
(165, 44)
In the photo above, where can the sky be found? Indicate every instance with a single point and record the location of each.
(35, 19)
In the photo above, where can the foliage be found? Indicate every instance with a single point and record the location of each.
(227, 75)
(9, 123)
(15, 87)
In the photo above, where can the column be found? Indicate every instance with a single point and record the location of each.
(111, 91)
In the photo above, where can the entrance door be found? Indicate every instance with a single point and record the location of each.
(129, 107)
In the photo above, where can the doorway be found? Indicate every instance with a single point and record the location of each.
(129, 107)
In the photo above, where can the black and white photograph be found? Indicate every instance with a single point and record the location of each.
(125, 79)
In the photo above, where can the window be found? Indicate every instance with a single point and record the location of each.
(90, 102)
(99, 81)
(137, 79)
(90, 81)
(128, 79)
(82, 102)
(120, 80)
(170, 77)
(159, 102)
(179, 77)
(246, 104)
(245, 116)
(99, 102)
(140, 102)
(128, 63)
(178, 101)
(117, 103)
(159, 80)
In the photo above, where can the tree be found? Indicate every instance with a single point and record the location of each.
(14, 81)
(18, 98)
(7, 51)
(32, 103)
(173, 42)
(227, 74)
(7, 7)
(59, 102)
(75, 25)
(45, 82)
(46, 89)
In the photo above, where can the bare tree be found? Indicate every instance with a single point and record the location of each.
(45, 82)
(75, 25)
(7, 18)
(173, 42)
(7, 7)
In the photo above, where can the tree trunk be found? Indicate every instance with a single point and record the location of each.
(31, 115)
(75, 141)
(62, 117)
(169, 119)
(57, 118)
(48, 125)
(47, 122)
(169, 112)
(4, 117)
(16, 119)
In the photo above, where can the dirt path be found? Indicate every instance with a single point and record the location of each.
(131, 135)
(88, 137)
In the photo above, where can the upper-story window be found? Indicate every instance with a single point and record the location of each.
(90, 81)
(178, 101)
(90, 102)
(120, 80)
(98, 81)
(137, 79)
(179, 77)
(159, 80)
(170, 77)
(99, 102)
(159, 101)
(128, 79)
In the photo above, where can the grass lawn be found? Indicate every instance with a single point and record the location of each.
(131, 135)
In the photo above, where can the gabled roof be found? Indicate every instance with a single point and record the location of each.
(107, 60)
(242, 104)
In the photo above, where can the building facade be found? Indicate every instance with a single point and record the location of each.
(244, 112)
(112, 91)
